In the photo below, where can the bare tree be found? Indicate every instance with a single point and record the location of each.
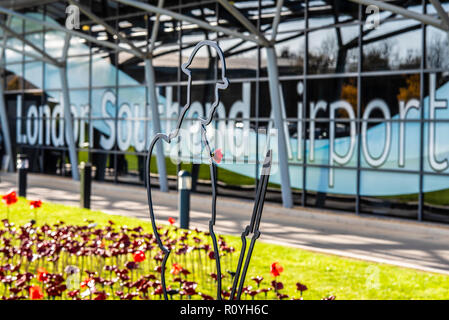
(437, 51)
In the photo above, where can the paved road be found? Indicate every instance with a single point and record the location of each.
(422, 246)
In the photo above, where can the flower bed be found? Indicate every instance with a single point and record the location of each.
(324, 275)
(63, 261)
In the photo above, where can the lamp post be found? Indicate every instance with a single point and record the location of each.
(22, 169)
(184, 187)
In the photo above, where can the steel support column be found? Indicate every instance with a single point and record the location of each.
(443, 14)
(5, 128)
(276, 19)
(3, 112)
(154, 104)
(244, 21)
(68, 121)
(155, 30)
(273, 79)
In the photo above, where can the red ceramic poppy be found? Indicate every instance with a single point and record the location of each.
(10, 198)
(217, 155)
(171, 220)
(276, 269)
(36, 293)
(42, 274)
(176, 269)
(139, 256)
(34, 204)
(88, 282)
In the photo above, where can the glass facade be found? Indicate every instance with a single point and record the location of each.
(365, 108)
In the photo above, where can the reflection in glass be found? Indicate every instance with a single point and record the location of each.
(333, 50)
(389, 193)
(437, 50)
(436, 200)
(392, 46)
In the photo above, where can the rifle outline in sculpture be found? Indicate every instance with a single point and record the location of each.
(253, 228)
(174, 134)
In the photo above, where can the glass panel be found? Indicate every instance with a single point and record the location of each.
(392, 46)
(323, 193)
(79, 101)
(389, 193)
(437, 48)
(78, 46)
(131, 129)
(333, 50)
(132, 70)
(54, 43)
(14, 79)
(436, 114)
(52, 77)
(290, 54)
(321, 13)
(103, 71)
(436, 200)
(241, 58)
(31, 26)
(14, 55)
(391, 129)
(33, 75)
(166, 63)
(78, 72)
(337, 138)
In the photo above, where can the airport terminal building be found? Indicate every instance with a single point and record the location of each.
(351, 95)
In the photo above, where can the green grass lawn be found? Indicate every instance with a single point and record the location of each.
(323, 274)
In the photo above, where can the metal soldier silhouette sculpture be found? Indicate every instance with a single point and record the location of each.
(261, 190)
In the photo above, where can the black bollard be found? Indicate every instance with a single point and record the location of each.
(184, 187)
(85, 184)
(22, 169)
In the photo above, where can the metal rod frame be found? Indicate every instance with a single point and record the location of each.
(174, 135)
(68, 119)
(252, 228)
